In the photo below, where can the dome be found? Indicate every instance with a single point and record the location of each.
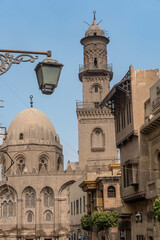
(31, 126)
(94, 30)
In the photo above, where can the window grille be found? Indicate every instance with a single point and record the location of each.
(10, 212)
(48, 197)
(111, 192)
(43, 164)
(4, 209)
(20, 164)
(48, 216)
(30, 199)
(29, 217)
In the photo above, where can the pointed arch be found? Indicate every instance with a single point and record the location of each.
(29, 217)
(47, 196)
(20, 160)
(8, 199)
(65, 185)
(97, 140)
(29, 196)
(43, 163)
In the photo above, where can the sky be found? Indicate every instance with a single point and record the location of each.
(38, 25)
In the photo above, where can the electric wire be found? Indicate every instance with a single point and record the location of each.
(20, 99)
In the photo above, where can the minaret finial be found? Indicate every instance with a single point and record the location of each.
(31, 102)
(94, 13)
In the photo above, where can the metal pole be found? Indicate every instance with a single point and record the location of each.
(48, 53)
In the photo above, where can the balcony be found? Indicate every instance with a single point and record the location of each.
(86, 106)
(90, 67)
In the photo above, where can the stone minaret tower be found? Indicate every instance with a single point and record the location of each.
(95, 125)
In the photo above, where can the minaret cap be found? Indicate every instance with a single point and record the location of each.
(94, 29)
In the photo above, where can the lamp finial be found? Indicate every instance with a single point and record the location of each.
(31, 102)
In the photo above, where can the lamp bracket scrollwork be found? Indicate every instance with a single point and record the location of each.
(8, 59)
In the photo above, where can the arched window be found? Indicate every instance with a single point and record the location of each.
(95, 63)
(4, 209)
(8, 205)
(30, 198)
(29, 217)
(10, 210)
(97, 140)
(20, 136)
(48, 216)
(3, 161)
(96, 88)
(111, 192)
(48, 197)
(20, 165)
(59, 163)
(43, 164)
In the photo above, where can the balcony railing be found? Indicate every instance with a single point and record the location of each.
(106, 67)
(82, 105)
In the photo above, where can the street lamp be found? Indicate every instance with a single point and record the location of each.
(48, 71)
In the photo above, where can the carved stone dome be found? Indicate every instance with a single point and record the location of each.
(94, 30)
(31, 126)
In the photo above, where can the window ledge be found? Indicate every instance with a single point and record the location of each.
(101, 149)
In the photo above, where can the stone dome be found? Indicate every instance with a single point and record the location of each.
(31, 126)
(94, 30)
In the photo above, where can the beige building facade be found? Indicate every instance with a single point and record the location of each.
(95, 125)
(96, 131)
(103, 193)
(134, 102)
(34, 191)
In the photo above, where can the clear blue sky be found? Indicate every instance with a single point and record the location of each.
(41, 25)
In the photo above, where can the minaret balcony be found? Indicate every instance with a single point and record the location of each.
(86, 106)
(90, 69)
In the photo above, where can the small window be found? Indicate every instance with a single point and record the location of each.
(77, 206)
(95, 62)
(71, 208)
(20, 136)
(111, 192)
(84, 204)
(95, 33)
(96, 88)
(29, 217)
(48, 216)
(96, 104)
(80, 205)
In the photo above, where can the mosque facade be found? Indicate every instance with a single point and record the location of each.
(34, 193)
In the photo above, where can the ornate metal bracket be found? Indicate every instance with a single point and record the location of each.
(7, 59)
(12, 162)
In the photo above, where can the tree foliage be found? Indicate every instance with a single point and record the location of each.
(86, 222)
(99, 220)
(105, 220)
(156, 208)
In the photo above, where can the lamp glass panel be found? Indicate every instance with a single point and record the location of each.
(39, 77)
(51, 74)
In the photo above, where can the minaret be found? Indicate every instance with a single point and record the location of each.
(95, 125)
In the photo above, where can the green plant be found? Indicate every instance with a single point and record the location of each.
(86, 222)
(156, 208)
(105, 220)
(100, 221)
